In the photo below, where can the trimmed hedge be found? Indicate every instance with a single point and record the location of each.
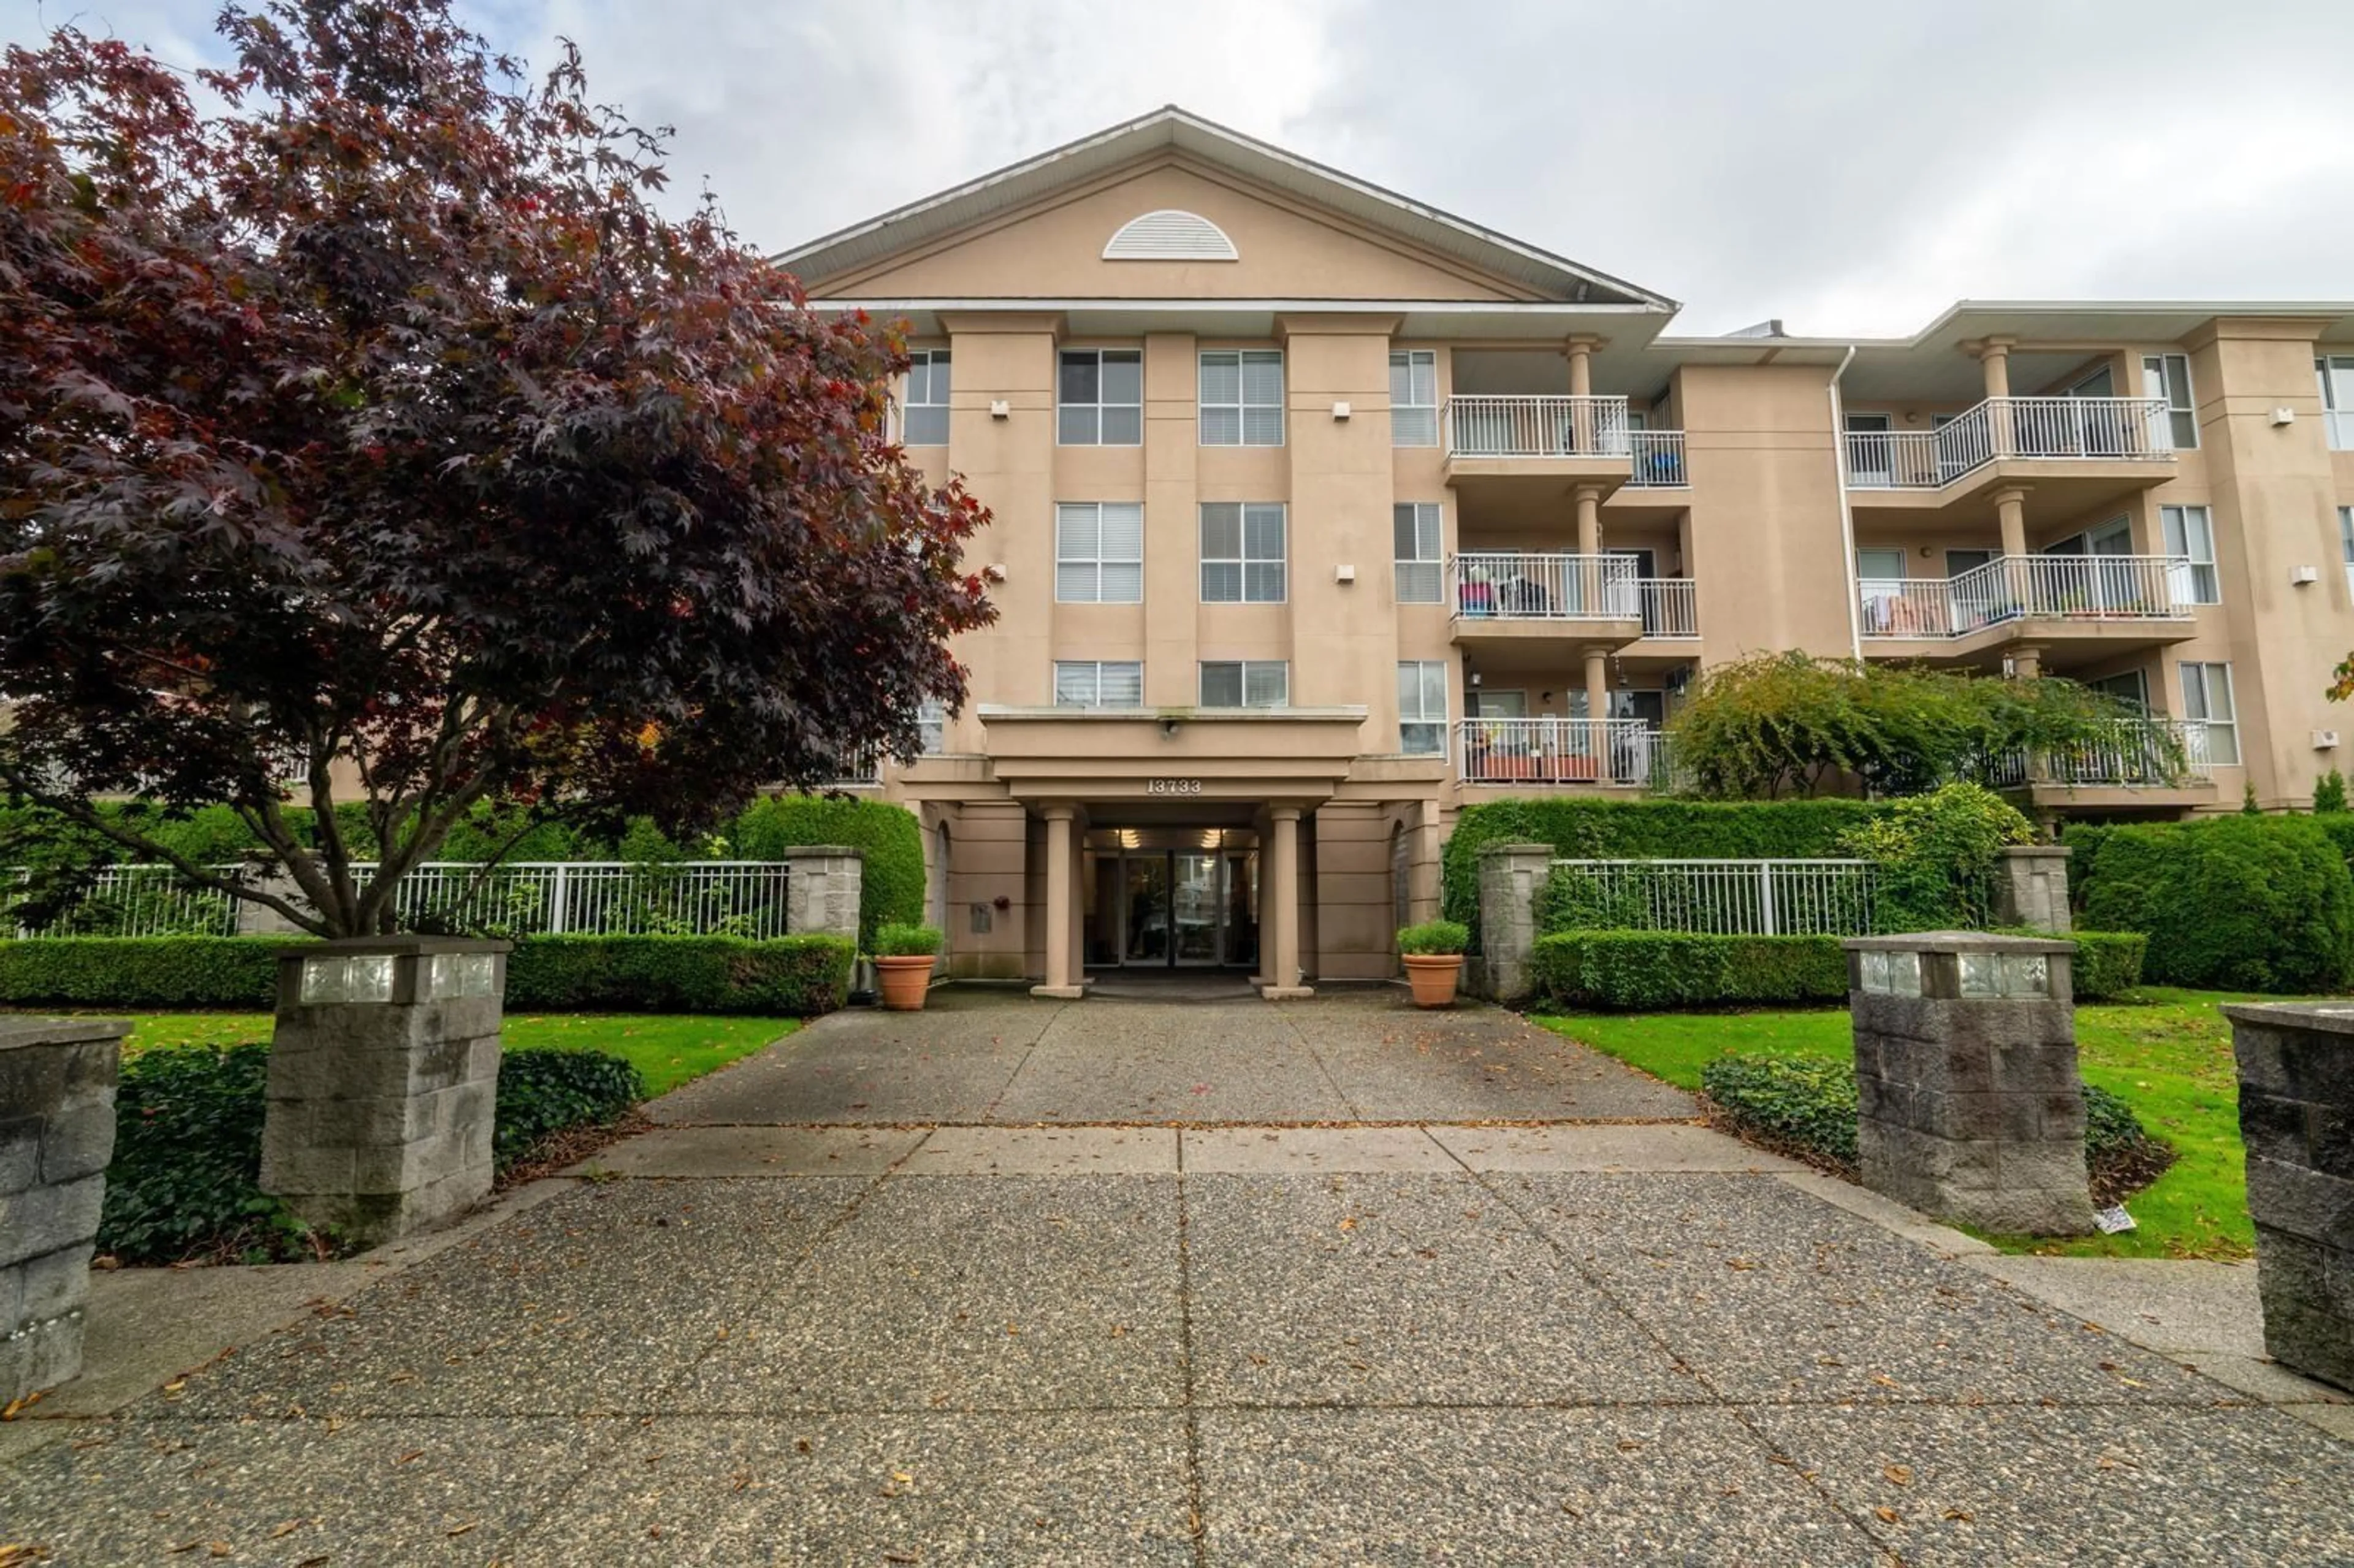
(2261, 904)
(1643, 971)
(891, 889)
(791, 977)
(1643, 829)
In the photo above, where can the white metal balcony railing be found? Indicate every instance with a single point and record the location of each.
(1659, 460)
(1560, 751)
(1733, 898)
(1670, 608)
(1485, 425)
(2154, 753)
(2010, 588)
(1524, 585)
(614, 898)
(2073, 427)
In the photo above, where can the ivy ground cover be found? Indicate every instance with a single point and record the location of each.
(2168, 1054)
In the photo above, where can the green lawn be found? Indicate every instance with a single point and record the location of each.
(669, 1051)
(2168, 1053)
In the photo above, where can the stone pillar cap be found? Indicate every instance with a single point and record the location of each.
(17, 1031)
(821, 851)
(1956, 942)
(2324, 1017)
(1501, 848)
(396, 945)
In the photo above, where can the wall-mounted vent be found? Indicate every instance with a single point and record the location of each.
(1170, 236)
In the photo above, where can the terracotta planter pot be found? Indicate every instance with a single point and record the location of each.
(1434, 977)
(904, 982)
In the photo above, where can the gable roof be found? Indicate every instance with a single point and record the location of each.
(1169, 127)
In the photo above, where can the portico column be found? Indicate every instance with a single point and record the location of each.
(1279, 906)
(2011, 517)
(1059, 836)
(1589, 519)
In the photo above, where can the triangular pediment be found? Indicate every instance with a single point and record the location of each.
(1171, 206)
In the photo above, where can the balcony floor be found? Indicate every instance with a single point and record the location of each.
(2058, 490)
(2063, 642)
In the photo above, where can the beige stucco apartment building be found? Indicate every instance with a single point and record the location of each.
(1320, 515)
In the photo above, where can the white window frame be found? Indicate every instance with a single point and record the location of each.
(1267, 430)
(1419, 526)
(1258, 578)
(2189, 531)
(2167, 377)
(1090, 673)
(933, 725)
(1422, 731)
(1101, 409)
(924, 420)
(2201, 684)
(2346, 543)
(2335, 373)
(1414, 420)
(1272, 677)
(1087, 570)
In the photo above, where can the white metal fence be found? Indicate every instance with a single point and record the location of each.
(1659, 460)
(1724, 897)
(2071, 427)
(612, 898)
(1486, 425)
(1560, 751)
(2009, 588)
(1668, 608)
(1523, 585)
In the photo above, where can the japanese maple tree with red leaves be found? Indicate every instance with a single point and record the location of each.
(365, 428)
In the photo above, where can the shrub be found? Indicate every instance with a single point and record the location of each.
(2236, 903)
(1937, 854)
(2248, 806)
(1809, 1102)
(1646, 970)
(2108, 963)
(789, 977)
(1434, 939)
(891, 889)
(907, 942)
(548, 1091)
(2329, 793)
(1642, 830)
(186, 1177)
(1575, 900)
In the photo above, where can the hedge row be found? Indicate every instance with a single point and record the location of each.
(794, 976)
(893, 891)
(2261, 903)
(1644, 830)
(1666, 971)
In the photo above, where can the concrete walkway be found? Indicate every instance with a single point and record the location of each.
(908, 1291)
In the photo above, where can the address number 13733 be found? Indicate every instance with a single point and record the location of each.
(1173, 786)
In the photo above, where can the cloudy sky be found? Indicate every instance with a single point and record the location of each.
(1851, 168)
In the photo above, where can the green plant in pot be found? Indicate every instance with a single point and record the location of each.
(1433, 952)
(903, 956)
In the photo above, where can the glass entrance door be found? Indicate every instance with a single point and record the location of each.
(1187, 907)
(1193, 900)
(1145, 894)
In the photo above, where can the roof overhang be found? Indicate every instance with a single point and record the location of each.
(1627, 326)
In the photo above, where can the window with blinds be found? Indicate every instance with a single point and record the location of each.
(2168, 377)
(925, 418)
(2191, 534)
(1415, 525)
(1414, 398)
(1242, 552)
(1242, 398)
(1422, 707)
(1098, 684)
(1246, 683)
(2206, 703)
(1099, 552)
(1099, 397)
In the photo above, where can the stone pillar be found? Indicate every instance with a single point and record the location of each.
(1969, 1107)
(1510, 877)
(384, 1078)
(2031, 887)
(823, 889)
(1060, 984)
(261, 920)
(56, 1134)
(2296, 1117)
(2010, 518)
(1279, 907)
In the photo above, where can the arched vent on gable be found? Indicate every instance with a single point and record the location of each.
(1170, 236)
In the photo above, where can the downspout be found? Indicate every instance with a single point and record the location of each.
(1847, 513)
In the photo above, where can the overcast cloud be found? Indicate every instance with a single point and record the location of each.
(1851, 168)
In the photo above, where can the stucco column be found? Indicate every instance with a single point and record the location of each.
(1078, 923)
(2011, 517)
(1597, 683)
(2026, 663)
(1059, 984)
(1581, 365)
(1994, 361)
(1589, 519)
(1279, 906)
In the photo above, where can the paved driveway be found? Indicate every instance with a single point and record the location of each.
(933, 1291)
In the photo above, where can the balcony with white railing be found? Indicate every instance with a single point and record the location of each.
(1658, 461)
(1514, 594)
(2146, 754)
(2003, 429)
(1492, 425)
(1611, 753)
(2038, 598)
